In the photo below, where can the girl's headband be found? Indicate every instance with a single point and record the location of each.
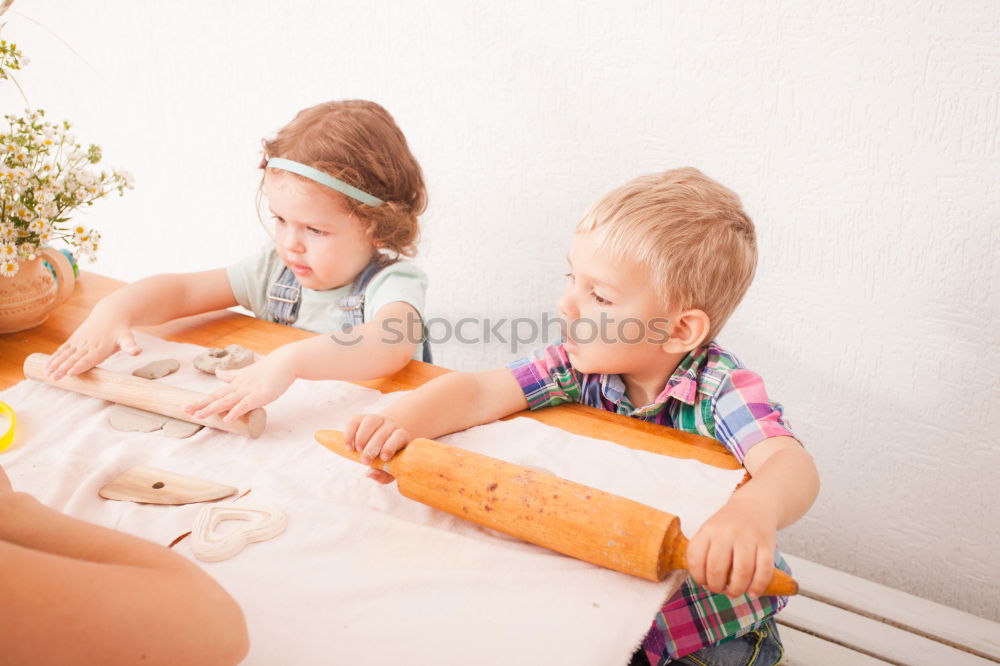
(323, 179)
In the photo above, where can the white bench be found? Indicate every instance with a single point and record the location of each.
(844, 620)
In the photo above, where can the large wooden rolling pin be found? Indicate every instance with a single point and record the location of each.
(573, 519)
(143, 394)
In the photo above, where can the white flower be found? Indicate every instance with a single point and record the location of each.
(45, 175)
(88, 249)
(8, 267)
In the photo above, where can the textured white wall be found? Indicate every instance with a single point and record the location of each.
(862, 136)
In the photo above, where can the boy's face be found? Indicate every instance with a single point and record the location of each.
(615, 324)
(314, 234)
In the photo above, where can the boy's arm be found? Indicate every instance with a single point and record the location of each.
(733, 552)
(446, 404)
(78, 593)
(148, 302)
(373, 349)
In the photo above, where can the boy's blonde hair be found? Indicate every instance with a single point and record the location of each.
(358, 142)
(689, 231)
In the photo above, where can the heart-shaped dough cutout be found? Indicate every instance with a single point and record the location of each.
(262, 523)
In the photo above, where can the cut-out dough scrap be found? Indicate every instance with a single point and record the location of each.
(157, 486)
(158, 369)
(262, 523)
(130, 419)
(231, 357)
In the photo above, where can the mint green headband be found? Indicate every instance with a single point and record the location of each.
(323, 179)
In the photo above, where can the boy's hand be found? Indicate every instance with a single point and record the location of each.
(375, 436)
(733, 552)
(248, 388)
(101, 334)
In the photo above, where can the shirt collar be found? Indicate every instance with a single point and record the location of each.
(694, 374)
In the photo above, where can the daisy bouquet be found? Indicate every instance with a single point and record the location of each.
(45, 175)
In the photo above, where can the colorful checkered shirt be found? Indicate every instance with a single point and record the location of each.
(710, 394)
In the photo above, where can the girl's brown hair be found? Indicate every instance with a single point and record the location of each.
(358, 142)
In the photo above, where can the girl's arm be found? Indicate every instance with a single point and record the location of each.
(373, 349)
(148, 302)
(78, 593)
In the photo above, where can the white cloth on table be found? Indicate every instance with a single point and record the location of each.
(363, 575)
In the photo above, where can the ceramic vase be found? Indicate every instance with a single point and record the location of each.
(29, 295)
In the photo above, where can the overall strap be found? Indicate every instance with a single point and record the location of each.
(283, 298)
(353, 305)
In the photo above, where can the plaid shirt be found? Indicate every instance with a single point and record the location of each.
(709, 394)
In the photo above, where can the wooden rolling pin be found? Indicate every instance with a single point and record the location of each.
(570, 518)
(143, 394)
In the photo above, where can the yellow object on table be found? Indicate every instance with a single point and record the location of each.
(8, 436)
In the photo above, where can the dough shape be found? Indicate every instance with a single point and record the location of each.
(158, 369)
(262, 523)
(130, 419)
(232, 357)
(180, 429)
(149, 485)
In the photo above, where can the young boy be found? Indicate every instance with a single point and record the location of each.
(656, 268)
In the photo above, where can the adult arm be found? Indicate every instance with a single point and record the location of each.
(77, 593)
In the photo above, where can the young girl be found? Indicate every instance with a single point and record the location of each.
(345, 192)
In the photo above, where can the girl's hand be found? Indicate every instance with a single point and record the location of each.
(101, 334)
(375, 436)
(733, 552)
(5, 486)
(248, 388)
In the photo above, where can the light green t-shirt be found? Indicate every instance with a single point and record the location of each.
(320, 311)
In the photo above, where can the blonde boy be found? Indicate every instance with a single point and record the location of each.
(655, 270)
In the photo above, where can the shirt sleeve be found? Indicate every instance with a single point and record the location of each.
(249, 277)
(400, 282)
(547, 378)
(744, 415)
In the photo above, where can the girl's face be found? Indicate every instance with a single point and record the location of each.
(314, 233)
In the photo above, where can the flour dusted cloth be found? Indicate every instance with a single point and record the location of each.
(362, 575)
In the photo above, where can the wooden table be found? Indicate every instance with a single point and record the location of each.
(221, 328)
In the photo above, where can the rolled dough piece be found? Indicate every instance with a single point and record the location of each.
(180, 429)
(130, 419)
(157, 369)
(231, 357)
